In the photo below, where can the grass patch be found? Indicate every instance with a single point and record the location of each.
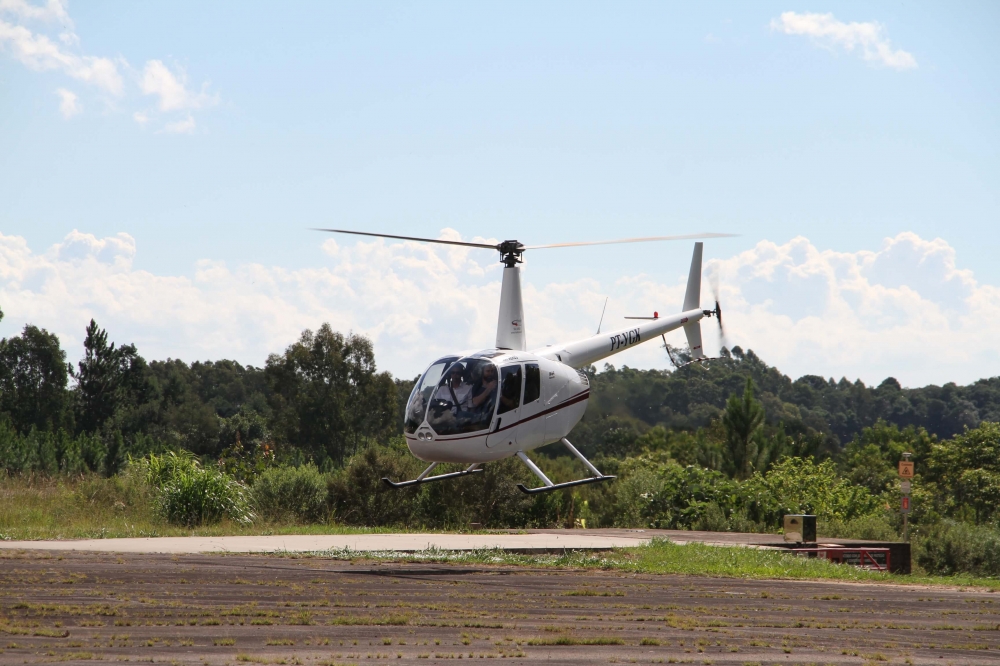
(279, 641)
(94, 507)
(664, 557)
(573, 640)
(397, 619)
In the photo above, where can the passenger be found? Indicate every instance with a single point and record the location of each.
(483, 395)
(454, 391)
(510, 392)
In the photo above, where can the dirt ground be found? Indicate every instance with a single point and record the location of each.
(217, 609)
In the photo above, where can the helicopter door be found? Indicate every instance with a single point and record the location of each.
(508, 408)
(531, 431)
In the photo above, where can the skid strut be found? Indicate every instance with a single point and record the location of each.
(423, 478)
(549, 486)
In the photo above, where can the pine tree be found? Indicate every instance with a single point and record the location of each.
(743, 421)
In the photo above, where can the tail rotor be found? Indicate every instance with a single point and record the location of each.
(717, 312)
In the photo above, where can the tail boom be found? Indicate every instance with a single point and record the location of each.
(581, 353)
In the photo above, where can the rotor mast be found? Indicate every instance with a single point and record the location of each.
(510, 321)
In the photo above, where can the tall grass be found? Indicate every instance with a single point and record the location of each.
(189, 494)
(42, 507)
(93, 507)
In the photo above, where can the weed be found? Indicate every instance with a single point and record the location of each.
(571, 640)
(371, 620)
(303, 617)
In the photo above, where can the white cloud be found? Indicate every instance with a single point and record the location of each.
(41, 52)
(53, 10)
(829, 32)
(905, 310)
(157, 79)
(69, 104)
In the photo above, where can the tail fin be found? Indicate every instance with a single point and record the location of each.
(692, 298)
(692, 301)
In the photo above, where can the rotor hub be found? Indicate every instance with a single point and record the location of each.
(510, 252)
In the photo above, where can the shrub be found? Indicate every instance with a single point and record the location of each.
(799, 485)
(297, 492)
(949, 547)
(357, 495)
(205, 496)
(492, 499)
(687, 495)
(876, 527)
(192, 495)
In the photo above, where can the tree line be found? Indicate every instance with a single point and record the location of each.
(321, 399)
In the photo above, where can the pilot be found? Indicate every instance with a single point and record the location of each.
(487, 385)
(454, 391)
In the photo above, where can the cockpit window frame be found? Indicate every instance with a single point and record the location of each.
(412, 421)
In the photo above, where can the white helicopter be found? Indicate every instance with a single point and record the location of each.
(476, 407)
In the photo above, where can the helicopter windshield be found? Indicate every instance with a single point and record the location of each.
(465, 397)
(457, 396)
(416, 406)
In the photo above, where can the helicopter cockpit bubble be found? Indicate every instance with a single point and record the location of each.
(465, 398)
(416, 406)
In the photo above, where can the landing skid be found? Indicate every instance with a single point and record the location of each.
(549, 486)
(423, 478)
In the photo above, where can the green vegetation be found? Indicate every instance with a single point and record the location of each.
(664, 558)
(189, 494)
(59, 507)
(132, 448)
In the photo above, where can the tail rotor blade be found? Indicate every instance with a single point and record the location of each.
(718, 309)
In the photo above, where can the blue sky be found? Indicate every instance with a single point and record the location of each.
(233, 127)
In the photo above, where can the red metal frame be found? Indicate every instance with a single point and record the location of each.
(862, 553)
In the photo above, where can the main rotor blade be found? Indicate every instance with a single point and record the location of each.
(634, 240)
(411, 238)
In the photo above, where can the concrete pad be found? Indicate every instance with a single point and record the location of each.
(540, 542)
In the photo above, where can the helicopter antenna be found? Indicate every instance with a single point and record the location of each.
(602, 315)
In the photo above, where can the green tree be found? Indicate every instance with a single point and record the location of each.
(743, 421)
(872, 457)
(33, 377)
(109, 380)
(966, 470)
(326, 393)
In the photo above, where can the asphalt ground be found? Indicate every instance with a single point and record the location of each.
(235, 609)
